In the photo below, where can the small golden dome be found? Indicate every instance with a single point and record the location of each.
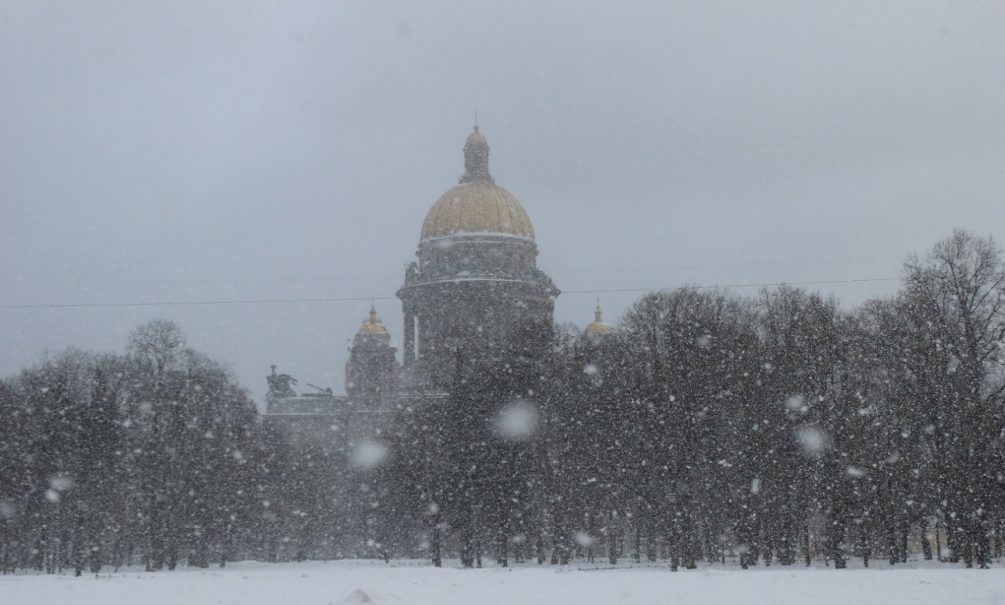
(598, 326)
(477, 204)
(372, 325)
(477, 138)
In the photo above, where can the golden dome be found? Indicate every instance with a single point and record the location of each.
(372, 325)
(477, 204)
(477, 207)
(598, 326)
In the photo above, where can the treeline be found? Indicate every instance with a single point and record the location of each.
(706, 427)
(155, 456)
(775, 429)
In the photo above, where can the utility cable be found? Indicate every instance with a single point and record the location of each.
(276, 301)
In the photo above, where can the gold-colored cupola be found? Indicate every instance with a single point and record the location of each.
(598, 326)
(372, 325)
(477, 205)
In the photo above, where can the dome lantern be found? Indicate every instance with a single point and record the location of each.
(476, 159)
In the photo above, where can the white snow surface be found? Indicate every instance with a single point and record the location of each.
(345, 582)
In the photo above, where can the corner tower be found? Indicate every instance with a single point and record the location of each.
(475, 293)
(371, 371)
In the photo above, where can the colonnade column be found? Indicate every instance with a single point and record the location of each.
(409, 352)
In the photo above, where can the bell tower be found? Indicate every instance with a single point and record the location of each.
(371, 371)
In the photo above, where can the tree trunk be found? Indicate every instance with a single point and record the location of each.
(926, 544)
(435, 542)
(638, 542)
(938, 542)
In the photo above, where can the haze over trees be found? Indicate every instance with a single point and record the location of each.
(774, 429)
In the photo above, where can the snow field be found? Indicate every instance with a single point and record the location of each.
(350, 582)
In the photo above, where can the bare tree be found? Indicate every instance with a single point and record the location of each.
(157, 343)
(956, 298)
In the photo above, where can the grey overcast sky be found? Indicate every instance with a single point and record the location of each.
(209, 151)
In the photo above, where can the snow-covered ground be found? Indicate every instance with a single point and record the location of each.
(348, 582)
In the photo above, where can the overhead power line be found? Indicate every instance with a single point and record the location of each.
(277, 301)
(726, 286)
(189, 303)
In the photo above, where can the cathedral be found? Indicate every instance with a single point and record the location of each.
(473, 296)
